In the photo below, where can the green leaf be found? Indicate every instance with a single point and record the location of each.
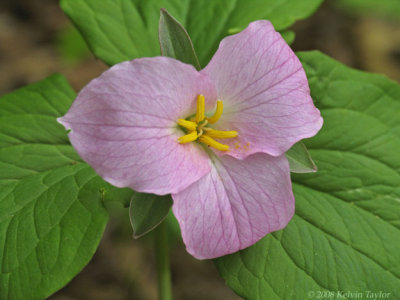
(51, 204)
(175, 41)
(300, 159)
(387, 8)
(147, 211)
(71, 45)
(122, 30)
(345, 235)
(288, 36)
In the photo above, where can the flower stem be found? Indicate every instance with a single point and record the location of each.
(162, 261)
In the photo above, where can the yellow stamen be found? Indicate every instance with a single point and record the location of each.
(188, 138)
(197, 130)
(217, 114)
(213, 143)
(189, 125)
(219, 134)
(200, 108)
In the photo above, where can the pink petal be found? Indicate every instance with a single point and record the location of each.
(124, 125)
(265, 92)
(235, 205)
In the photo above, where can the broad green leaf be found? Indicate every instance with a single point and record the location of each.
(147, 211)
(31, 140)
(300, 159)
(71, 45)
(51, 204)
(345, 235)
(122, 30)
(388, 8)
(175, 41)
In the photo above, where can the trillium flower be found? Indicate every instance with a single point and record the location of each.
(215, 139)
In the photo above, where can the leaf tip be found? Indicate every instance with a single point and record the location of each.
(136, 236)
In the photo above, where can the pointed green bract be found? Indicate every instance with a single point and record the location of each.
(345, 235)
(175, 41)
(123, 30)
(300, 160)
(51, 204)
(147, 211)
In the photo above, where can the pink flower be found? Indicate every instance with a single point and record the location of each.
(156, 125)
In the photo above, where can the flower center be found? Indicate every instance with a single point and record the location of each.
(197, 130)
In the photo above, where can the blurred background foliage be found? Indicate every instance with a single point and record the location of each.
(384, 8)
(36, 40)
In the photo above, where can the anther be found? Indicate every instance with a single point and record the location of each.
(217, 114)
(213, 143)
(200, 108)
(188, 138)
(189, 125)
(220, 134)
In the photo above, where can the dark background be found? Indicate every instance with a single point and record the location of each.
(36, 40)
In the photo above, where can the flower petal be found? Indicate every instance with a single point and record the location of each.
(265, 92)
(124, 125)
(235, 205)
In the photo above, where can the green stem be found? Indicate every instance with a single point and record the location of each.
(162, 261)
